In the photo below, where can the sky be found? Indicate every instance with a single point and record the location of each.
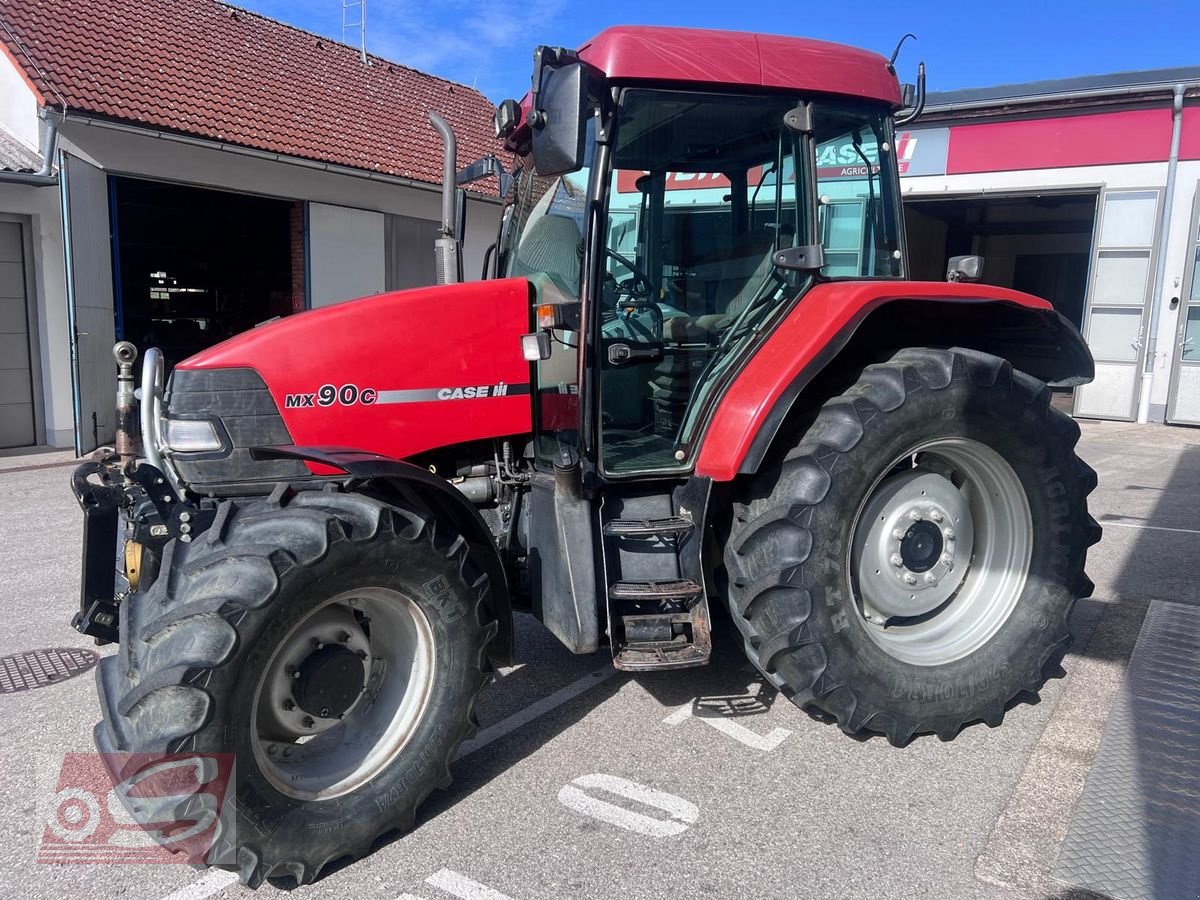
(490, 45)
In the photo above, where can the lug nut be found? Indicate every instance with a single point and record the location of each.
(948, 533)
(936, 516)
(948, 559)
(898, 534)
(896, 560)
(289, 705)
(362, 654)
(287, 751)
(344, 637)
(185, 517)
(308, 722)
(325, 712)
(292, 671)
(910, 578)
(930, 578)
(915, 514)
(271, 749)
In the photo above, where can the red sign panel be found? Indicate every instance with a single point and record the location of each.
(1134, 136)
(1189, 136)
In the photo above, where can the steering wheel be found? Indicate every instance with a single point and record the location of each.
(640, 278)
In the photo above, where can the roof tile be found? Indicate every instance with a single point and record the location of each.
(202, 67)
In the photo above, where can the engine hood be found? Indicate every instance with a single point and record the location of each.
(398, 373)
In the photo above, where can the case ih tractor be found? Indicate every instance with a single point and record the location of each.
(695, 375)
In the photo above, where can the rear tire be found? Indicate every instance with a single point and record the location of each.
(200, 647)
(820, 593)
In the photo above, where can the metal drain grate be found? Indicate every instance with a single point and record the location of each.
(39, 668)
(1135, 829)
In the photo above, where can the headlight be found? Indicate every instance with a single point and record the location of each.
(191, 435)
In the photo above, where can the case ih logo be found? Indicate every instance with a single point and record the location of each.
(168, 808)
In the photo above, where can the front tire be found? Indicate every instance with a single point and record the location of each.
(333, 643)
(910, 565)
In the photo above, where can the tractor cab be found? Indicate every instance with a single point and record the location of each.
(666, 226)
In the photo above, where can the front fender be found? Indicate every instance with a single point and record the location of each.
(376, 474)
(844, 322)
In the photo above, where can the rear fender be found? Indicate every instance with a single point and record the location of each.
(386, 478)
(839, 327)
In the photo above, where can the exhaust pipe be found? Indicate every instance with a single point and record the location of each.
(446, 249)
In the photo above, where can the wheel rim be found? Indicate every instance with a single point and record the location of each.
(940, 551)
(322, 728)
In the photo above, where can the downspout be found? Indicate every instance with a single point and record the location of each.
(1160, 263)
(43, 177)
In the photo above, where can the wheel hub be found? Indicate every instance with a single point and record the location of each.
(331, 679)
(913, 546)
(921, 546)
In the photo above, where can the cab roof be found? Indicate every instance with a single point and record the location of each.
(629, 53)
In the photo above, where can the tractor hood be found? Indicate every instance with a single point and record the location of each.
(396, 374)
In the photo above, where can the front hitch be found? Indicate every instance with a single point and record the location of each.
(131, 509)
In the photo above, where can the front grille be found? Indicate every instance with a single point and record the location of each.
(239, 399)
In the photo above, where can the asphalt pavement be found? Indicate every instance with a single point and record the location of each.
(585, 782)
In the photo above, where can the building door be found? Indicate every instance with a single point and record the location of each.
(1184, 405)
(17, 428)
(1114, 324)
(86, 233)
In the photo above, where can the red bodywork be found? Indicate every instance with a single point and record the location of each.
(825, 314)
(739, 58)
(440, 346)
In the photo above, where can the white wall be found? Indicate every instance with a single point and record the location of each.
(345, 253)
(18, 104)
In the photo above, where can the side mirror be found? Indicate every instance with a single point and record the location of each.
(560, 121)
(964, 268)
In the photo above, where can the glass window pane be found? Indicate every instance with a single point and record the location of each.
(1196, 277)
(843, 226)
(1129, 219)
(1191, 335)
(1112, 333)
(841, 265)
(855, 190)
(1121, 278)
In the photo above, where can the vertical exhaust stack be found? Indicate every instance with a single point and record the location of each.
(446, 247)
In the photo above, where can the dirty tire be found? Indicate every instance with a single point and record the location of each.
(790, 588)
(194, 644)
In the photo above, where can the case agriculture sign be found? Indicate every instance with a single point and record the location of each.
(920, 151)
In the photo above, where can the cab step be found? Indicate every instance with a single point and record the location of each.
(664, 641)
(652, 591)
(669, 525)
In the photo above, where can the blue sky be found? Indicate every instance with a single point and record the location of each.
(489, 44)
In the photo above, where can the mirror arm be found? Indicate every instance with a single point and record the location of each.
(920, 105)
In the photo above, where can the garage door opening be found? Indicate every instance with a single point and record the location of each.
(196, 266)
(1038, 244)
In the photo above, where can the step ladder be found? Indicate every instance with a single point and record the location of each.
(657, 606)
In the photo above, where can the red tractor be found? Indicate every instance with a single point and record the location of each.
(696, 374)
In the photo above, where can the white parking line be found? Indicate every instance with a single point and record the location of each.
(1106, 524)
(463, 887)
(214, 881)
(536, 710)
